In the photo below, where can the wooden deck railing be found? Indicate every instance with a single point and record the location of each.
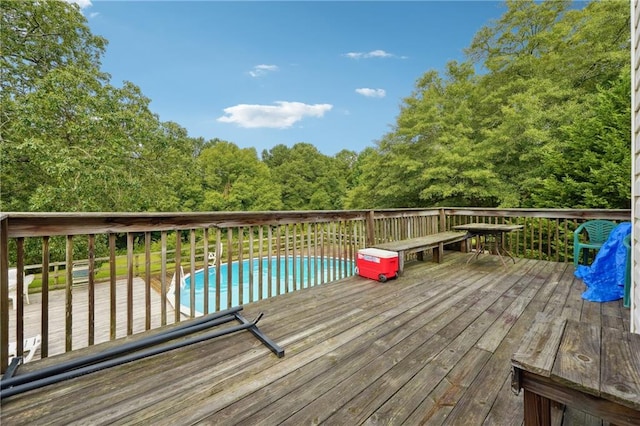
(547, 233)
(153, 246)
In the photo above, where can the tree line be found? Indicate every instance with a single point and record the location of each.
(537, 115)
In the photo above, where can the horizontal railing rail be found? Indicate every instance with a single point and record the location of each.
(121, 248)
(547, 234)
(139, 254)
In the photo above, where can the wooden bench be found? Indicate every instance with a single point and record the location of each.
(593, 369)
(420, 244)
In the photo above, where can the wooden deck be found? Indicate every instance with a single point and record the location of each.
(432, 347)
(80, 315)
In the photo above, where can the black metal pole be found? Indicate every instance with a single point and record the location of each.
(211, 320)
(276, 349)
(13, 367)
(118, 361)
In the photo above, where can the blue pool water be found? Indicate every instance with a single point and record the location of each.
(309, 271)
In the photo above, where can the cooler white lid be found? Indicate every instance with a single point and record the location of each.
(378, 252)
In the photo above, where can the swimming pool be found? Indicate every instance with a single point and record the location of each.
(279, 277)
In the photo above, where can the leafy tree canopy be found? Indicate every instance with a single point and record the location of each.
(550, 93)
(536, 115)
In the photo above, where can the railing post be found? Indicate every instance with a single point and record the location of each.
(370, 228)
(112, 286)
(178, 277)
(443, 221)
(130, 274)
(44, 349)
(20, 295)
(136, 265)
(4, 293)
(56, 280)
(68, 345)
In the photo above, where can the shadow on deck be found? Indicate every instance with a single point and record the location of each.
(432, 347)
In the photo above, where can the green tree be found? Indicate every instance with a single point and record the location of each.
(363, 194)
(75, 145)
(40, 36)
(234, 179)
(489, 139)
(591, 166)
(431, 158)
(169, 175)
(544, 61)
(70, 140)
(309, 179)
(36, 38)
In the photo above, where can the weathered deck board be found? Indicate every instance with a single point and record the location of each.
(578, 360)
(620, 378)
(476, 403)
(432, 347)
(80, 314)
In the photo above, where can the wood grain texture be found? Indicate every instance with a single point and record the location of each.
(432, 347)
(621, 371)
(537, 352)
(578, 358)
(488, 227)
(595, 370)
(606, 410)
(421, 243)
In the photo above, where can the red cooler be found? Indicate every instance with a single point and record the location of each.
(377, 264)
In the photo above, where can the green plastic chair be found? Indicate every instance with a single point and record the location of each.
(597, 233)
(627, 272)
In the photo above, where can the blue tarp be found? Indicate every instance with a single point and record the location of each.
(605, 277)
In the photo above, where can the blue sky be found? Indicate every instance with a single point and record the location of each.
(259, 74)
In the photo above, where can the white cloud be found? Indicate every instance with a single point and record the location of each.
(378, 54)
(372, 93)
(262, 69)
(282, 115)
(373, 54)
(82, 3)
